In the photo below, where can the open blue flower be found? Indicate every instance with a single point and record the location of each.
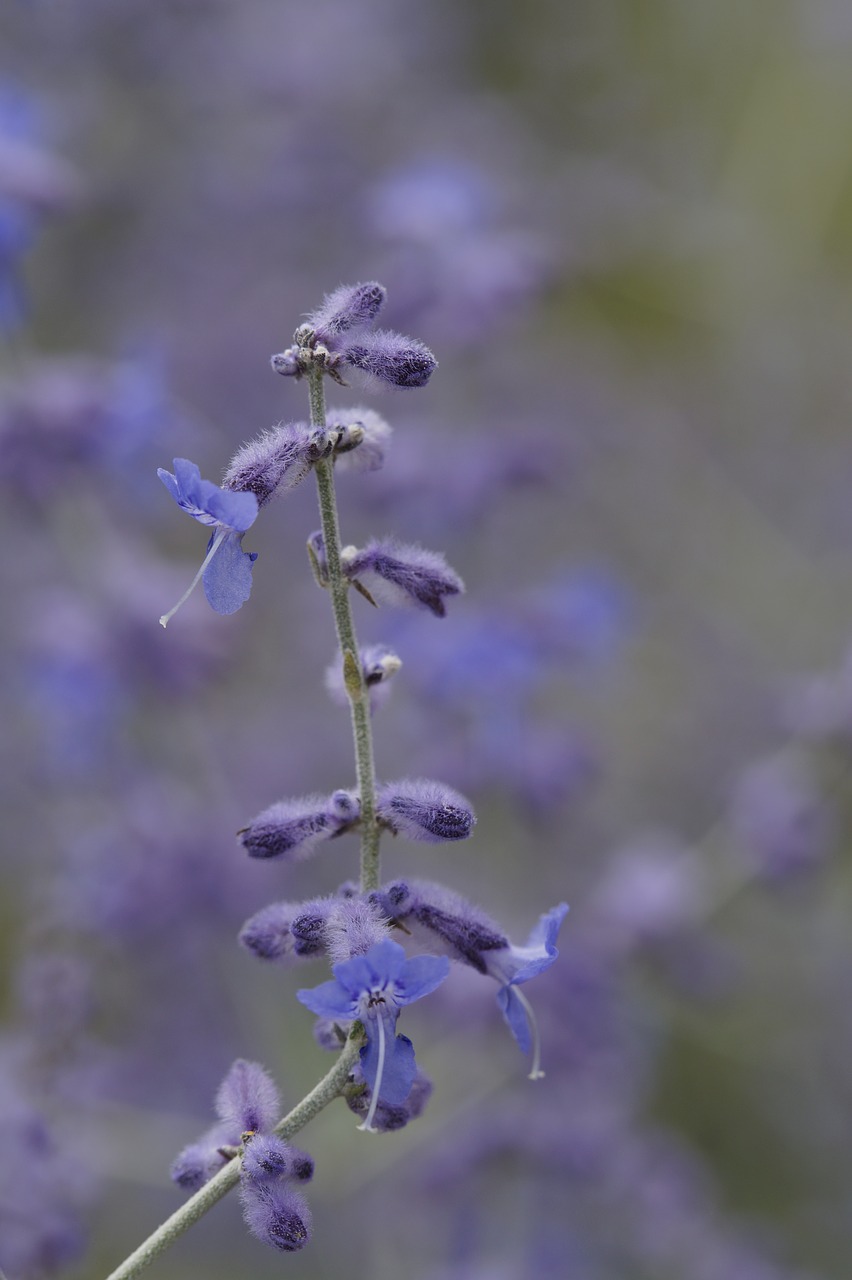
(226, 569)
(513, 966)
(374, 987)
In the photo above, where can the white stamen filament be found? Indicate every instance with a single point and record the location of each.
(536, 1072)
(367, 1126)
(217, 542)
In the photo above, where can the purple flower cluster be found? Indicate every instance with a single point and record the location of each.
(248, 1106)
(337, 334)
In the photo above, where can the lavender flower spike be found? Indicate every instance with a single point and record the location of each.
(403, 574)
(424, 810)
(374, 987)
(226, 569)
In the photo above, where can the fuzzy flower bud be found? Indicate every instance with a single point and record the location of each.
(267, 1156)
(392, 358)
(352, 927)
(402, 575)
(308, 928)
(371, 433)
(276, 461)
(247, 1100)
(424, 810)
(378, 664)
(276, 1214)
(350, 306)
(197, 1162)
(267, 934)
(293, 828)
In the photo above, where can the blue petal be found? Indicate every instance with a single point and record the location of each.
(227, 578)
(399, 1069)
(205, 501)
(420, 976)
(170, 482)
(329, 1000)
(236, 510)
(542, 941)
(546, 931)
(515, 1014)
(377, 969)
(188, 477)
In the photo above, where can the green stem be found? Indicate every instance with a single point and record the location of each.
(353, 676)
(221, 1183)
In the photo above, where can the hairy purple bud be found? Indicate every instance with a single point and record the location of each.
(439, 915)
(395, 900)
(350, 306)
(353, 926)
(276, 1214)
(287, 363)
(365, 437)
(247, 1098)
(308, 928)
(378, 664)
(301, 1165)
(276, 461)
(198, 1161)
(266, 1156)
(294, 828)
(392, 358)
(267, 933)
(424, 810)
(402, 574)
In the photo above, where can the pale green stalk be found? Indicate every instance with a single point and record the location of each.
(222, 1182)
(353, 676)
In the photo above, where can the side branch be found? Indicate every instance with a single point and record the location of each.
(222, 1182)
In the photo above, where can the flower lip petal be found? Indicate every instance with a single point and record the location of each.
(398, 1071)
(329, 1000)
(228, 577)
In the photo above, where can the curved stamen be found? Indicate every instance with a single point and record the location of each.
(536, 1072)
(217, 542)
(367, 1126)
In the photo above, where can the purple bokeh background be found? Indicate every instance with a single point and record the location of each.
(625, 233)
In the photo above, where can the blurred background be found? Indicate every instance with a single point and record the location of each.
(626, 232)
